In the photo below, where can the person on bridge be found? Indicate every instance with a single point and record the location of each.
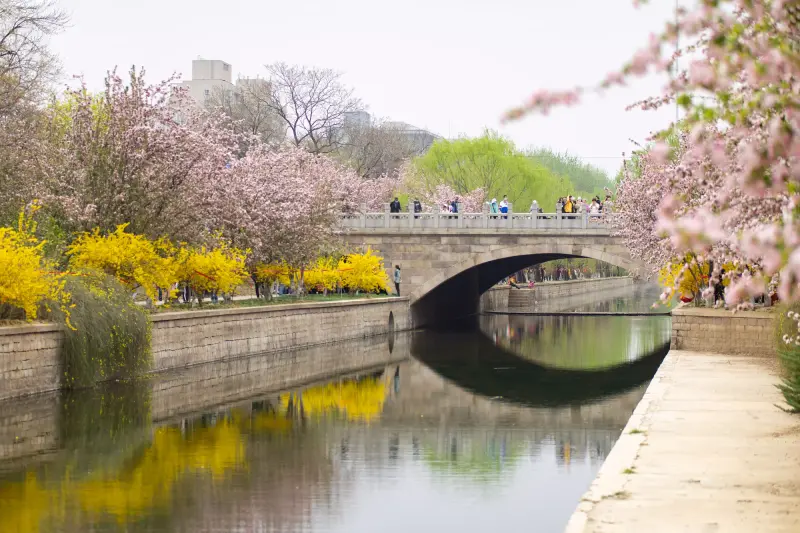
(394, 207)
(493, 207)
(504, 205)
(397, 279)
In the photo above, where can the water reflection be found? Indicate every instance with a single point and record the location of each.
(578, 342)
(409, 444)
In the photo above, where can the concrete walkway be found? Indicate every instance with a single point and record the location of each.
(706, 450)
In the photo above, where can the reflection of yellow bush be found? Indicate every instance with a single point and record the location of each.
(131, 491)
(150, 481)
(271, 422)
(356, 399)
(23, 505)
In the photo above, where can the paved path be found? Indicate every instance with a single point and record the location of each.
(715, 454)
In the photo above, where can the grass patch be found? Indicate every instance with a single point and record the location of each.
(260, 302)
(631, 470)
(637, 432)
(619, 495)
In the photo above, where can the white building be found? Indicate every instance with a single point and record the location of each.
(207, 75)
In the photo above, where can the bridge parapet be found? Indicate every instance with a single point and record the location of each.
(484, 221)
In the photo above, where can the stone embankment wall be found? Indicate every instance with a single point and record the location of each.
(543, 295)
(721, 331)
(35, 426)
(29, 354)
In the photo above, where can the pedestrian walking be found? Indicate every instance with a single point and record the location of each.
(394, 207)
(397, 279)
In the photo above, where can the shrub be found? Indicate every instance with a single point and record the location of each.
(323, 274)
(134, 260)
(218, 269)
(789, 354)
(363, 272)
(111, 335)
(27, 279)
(269, 273)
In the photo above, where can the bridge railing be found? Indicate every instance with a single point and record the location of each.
(531, 221)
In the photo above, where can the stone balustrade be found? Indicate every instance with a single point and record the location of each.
(477, 221)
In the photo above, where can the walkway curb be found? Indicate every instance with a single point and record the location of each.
(610, 481)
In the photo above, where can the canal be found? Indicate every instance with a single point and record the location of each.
(499, 426)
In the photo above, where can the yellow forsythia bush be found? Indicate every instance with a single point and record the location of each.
(363, 272)
(323, 274)
(133, 259)
(218, 269)
(26, 279)
(269, 273)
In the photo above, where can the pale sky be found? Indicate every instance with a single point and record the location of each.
(450, 66)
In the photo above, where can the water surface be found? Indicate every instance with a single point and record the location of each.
(501, 428)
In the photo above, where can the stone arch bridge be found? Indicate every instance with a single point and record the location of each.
(448, 261)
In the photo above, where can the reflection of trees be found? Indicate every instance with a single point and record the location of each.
(580, 342)
(146, 480)
(120, 469)
(360, 399)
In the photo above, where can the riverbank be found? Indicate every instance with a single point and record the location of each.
(707, 449)
(30, 360)
(553, 295)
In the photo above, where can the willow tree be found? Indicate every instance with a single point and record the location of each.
(491, 163)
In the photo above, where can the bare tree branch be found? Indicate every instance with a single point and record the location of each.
(311, 102)
(248, 109)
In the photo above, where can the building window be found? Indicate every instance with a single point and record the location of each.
(207, 92)
(226, 66)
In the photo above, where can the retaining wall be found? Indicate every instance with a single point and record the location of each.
(544, 295)
(721, 331)
(29, 354)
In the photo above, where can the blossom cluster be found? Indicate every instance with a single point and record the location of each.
(727, 190)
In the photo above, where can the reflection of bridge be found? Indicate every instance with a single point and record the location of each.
(426, 400)
(449, 260)
(478, 365)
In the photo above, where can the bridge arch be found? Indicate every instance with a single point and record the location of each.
(538, 252)
(453, 292)
(446, 269)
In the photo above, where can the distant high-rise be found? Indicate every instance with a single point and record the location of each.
(209, 75)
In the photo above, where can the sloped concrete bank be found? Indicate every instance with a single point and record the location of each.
(709, 447)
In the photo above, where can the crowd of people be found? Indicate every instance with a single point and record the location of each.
(565, 204)
(571, 205)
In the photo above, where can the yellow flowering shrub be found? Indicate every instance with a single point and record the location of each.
(27, 280)
(219, 269)
(269, 273)
(135, 260)
(323, 274)
(363, 272)
(689, 277)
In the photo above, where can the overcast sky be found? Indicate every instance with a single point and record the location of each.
(451, 66)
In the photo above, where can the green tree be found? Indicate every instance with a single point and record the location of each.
(490, 162)
(587, 179)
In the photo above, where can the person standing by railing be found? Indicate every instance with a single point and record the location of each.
(504, 206)
(397, 279)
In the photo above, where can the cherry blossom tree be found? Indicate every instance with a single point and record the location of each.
(136, 153)
(734, 191)
(442, 195)
(284, 204)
